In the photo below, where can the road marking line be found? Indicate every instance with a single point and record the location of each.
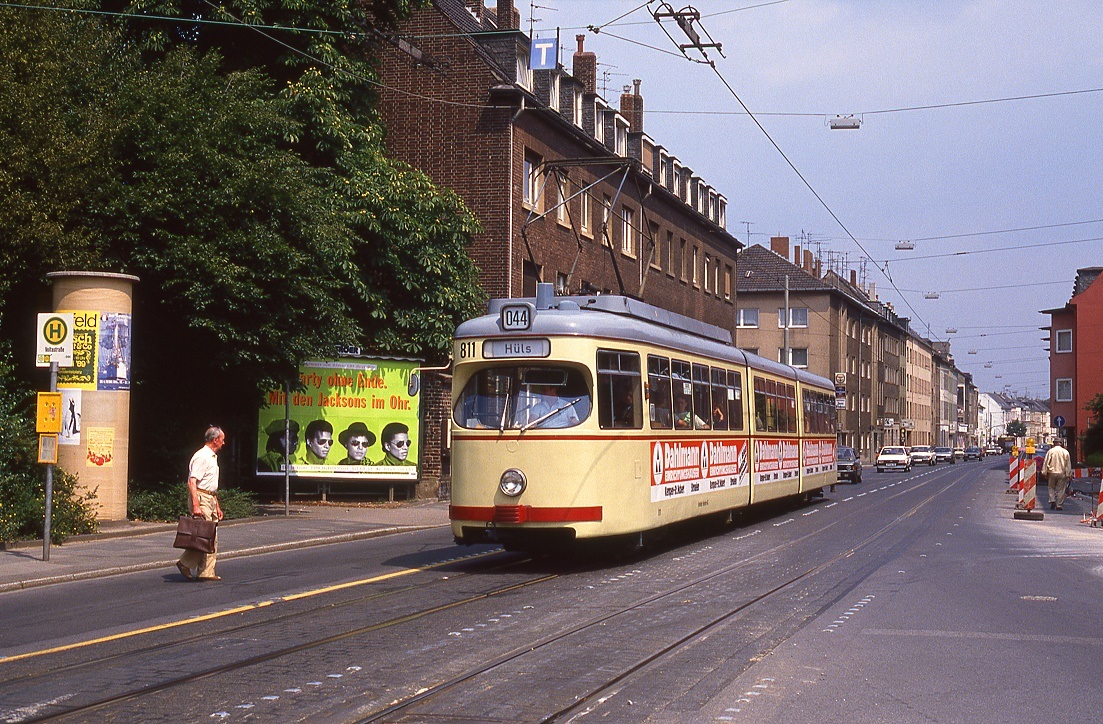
(234, 611)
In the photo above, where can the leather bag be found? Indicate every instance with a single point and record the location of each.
(195, 534)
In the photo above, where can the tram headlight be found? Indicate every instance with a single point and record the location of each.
(512, 482)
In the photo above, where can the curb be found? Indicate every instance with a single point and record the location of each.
(241, 553)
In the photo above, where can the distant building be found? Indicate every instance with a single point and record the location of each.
(1076, 354)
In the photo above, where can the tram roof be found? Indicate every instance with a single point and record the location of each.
(620, 317)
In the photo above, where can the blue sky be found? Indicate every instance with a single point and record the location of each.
(1000, 198)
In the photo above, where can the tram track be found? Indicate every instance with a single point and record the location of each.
(399, 709)
(581, 701)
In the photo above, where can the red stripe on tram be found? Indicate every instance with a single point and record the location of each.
(525, 514)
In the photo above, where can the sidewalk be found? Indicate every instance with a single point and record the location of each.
(125, 546)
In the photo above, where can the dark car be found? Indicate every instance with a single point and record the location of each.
(973, 453)
(849, 465)
(944, 455)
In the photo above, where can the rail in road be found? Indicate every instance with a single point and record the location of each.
(498, 636)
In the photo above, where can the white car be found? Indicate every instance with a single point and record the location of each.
(921, 454)
(893, 457)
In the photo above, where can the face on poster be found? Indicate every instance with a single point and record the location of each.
(352, 418)
(70, 417)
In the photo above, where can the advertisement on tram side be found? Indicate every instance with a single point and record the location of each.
(776, 460)
(690, 467)
(818, 456)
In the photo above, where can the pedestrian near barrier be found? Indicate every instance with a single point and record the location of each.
(1056, 469)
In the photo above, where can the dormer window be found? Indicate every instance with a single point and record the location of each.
(577, 111)
(524, 72)
(621, 148)
(553, 91)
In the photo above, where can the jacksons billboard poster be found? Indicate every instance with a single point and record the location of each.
(354, 418)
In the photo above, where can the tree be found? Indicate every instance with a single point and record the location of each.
(1016, 428)
(248, 188)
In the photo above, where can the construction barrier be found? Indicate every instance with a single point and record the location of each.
(1028, 480)
(1013, 472)
(1095, 518)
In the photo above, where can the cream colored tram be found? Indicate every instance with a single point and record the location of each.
(593, 417)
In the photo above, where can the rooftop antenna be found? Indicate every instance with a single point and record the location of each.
(747, 224)
(533, 7)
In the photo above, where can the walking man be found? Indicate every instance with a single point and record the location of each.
(1057, 468)
(203, 494)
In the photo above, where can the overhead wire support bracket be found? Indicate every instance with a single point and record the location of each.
(685, 18)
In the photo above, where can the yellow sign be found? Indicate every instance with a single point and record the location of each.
(47, 449)
(48, 418)
(1030, 446)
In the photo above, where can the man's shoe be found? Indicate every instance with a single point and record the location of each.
(1053, 506)
(184, 570)
(1059, 508)
(211, 578)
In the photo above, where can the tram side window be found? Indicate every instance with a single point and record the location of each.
(760, 404)
(618, 390)
(720, 394)
(772, 422)
(658, 385)
(735, 401)
(787, 407)
(682, 388)
(702, 398)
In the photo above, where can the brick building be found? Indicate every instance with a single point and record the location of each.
(1075, 351)
(568, 190)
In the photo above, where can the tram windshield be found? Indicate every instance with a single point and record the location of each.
(524, 398)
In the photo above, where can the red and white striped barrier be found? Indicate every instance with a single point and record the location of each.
(1013, 472)
(1029, 479)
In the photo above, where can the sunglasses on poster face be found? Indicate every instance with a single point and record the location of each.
(400, 443)
(358, 443)
(323, 442)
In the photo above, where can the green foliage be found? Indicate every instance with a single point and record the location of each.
(1016, 428)
(23, 480)
(168, 502)
(241, 175)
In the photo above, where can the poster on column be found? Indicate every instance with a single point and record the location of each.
(70, 417)
(101, 447)
(351, 418)
(113, 370)
(82, 375)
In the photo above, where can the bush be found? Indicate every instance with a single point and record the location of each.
(169, 502)
(23, 479)
(1095, 460)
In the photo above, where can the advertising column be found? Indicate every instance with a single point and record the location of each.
(94, 442)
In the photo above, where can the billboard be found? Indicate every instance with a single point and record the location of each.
(101, 352)
(356, 419)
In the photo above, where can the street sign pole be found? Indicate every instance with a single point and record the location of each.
(49, 482)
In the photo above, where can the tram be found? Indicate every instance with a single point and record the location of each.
(602, 417)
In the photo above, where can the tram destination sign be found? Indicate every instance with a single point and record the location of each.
(506, 348)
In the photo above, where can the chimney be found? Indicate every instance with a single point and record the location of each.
(808, 263)
(508, 18)
(477, 9)
(780, 246)
(584, 67)
(631, 107)
(796, 254)
(853, 278)
(818, 268)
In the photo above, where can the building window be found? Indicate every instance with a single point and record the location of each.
(627, 232)
(524, 72)
(670, 267)
(561, 184)
(1064, 389)
(553, 91)
(683, 259)
(621, 148)
(530, 181)
(577, 109)
(798, 317)
(716, 276)
(798, 356)
(708, 274)
(606, 209)
(750, 350)
(561, 284)
(654, 254)
(585, 212)
(727, 282)
(1064, 340)
(599, 126)
(747, 318)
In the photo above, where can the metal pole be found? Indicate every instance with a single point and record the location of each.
(287, 448)
(49, 482)
(785, 331)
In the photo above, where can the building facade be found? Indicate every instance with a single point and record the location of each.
(1075, 352)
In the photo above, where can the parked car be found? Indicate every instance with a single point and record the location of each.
(921, 455)
(973, 453)
(959, 453)
(944, 455)
(893, 457)
(849, 465)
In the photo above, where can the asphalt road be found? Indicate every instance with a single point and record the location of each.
(910, 597)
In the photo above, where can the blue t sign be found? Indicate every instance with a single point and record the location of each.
(544, 54)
